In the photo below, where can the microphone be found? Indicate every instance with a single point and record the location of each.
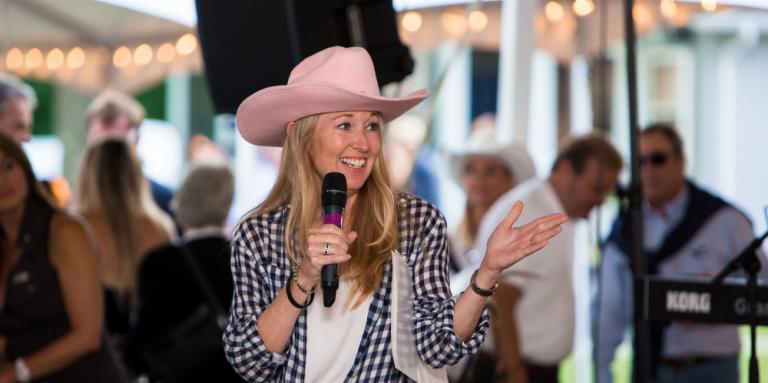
(334, 197)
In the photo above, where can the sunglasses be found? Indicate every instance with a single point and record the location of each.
(655, 159)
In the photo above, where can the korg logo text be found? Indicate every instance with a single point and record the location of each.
(688, 302)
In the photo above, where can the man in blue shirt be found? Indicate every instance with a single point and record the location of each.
(688, 233)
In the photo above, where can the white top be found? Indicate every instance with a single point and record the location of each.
(334, 335)
(545, 312)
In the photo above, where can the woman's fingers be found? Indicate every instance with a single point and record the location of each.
(541, 224)
(546, 234)
(512, 215)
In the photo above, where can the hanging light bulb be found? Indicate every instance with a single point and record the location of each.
(411, 21)
(142, 55)
(477, 20)
(54, 59)
(75, 58)
(668, 8)
(642, 15)
(583, 7)
(186, 44)
(454, 22)
(33, 58)
(166, 53)
(14, 59)
(122, 57)
(709, 5)
(554, 11)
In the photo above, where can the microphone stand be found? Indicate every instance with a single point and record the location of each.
(748, 261)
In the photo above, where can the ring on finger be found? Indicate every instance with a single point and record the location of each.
(325, 249)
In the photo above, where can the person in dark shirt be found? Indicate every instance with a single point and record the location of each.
(169, 294)
(51, 326)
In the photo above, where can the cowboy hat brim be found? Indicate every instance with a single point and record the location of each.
(262, 118)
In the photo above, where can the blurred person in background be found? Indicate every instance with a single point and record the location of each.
(169, 292)
(17, 101)
(535, 311)
(51, 323)
(113, 196)
(117, 115)
(688, 232)
(486, 169)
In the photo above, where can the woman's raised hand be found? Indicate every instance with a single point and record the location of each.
(508, 245)
(325, 245)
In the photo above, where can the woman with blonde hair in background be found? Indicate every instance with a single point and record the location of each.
(113, 196)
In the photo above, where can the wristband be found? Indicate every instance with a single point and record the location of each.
(296, 280)
(310, 297)
(479, 291)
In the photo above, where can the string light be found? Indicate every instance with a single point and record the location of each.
(33, 58)
(14, 59)
(166, 53)
(709, 5)
(75, 58)
(642, 15)
(54, 59)
(411, 21)
(583, 7)
(554, 11)
(143, 55)
(668, 8)
(478, 20)
(121, 58)
(186, 44)
(454, 22)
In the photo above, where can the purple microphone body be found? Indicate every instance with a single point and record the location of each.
(334, 197)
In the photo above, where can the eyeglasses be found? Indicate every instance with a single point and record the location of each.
(655, 159)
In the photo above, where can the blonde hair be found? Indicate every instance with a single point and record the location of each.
(111, 184)
(111, 104)
(374, 218)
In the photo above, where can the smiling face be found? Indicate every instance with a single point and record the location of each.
(348, 143)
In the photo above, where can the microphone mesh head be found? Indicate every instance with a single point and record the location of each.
(334, 190)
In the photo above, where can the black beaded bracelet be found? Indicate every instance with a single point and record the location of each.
(311, 296)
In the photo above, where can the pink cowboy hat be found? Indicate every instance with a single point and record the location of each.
(336, 79)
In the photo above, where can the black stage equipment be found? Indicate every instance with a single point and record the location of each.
(248, 45)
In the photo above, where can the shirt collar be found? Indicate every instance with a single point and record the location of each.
(674, 209)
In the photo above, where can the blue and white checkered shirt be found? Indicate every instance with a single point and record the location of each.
(260, 269)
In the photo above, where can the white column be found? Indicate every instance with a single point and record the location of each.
(541, 138)
(516, 50)
(177, 101)
(451, 121)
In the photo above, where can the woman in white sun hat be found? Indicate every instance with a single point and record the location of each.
(485, 169)
(394, 319)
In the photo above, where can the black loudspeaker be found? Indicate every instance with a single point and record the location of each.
(252, 44)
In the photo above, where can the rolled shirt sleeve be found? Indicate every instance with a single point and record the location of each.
(254, 290)
(436, 341)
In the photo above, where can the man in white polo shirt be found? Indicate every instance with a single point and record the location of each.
(534, 325)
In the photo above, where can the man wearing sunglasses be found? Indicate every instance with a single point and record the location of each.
(688, 232)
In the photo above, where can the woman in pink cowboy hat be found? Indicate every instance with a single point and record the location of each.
(394, 319)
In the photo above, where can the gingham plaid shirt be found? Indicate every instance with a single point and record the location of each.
(260, 269)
